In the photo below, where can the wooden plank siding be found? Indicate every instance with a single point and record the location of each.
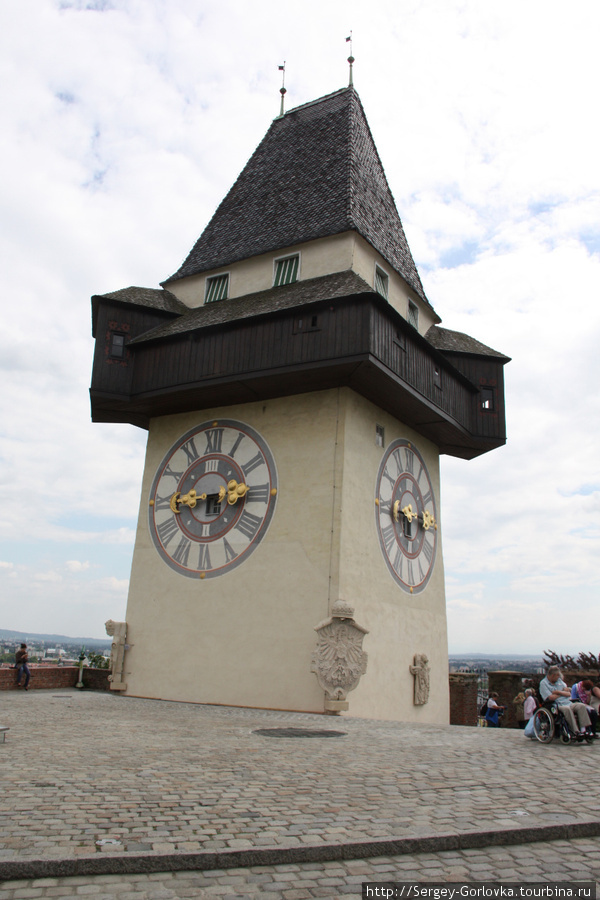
(355, 341)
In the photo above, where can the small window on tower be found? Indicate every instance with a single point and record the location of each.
(413, 314)
(487, 398)
(306, 323)
(117, 346)
(217, 288)
(381, 282)
(379, 435)
(286, 270)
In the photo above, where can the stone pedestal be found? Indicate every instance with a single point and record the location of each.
(118, 632)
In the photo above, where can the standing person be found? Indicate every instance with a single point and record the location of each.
(530, 704)
(492, 715)
(21, 657)
(553, 688)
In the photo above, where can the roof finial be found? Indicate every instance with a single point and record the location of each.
(350, 60)
(282, 89)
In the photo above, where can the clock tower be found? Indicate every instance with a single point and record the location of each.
(298, 390)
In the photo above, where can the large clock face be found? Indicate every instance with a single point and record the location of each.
(212, 498)
(406, 516)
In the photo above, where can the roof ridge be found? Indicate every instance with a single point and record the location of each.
(315, 102)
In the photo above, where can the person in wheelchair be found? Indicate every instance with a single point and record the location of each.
(553, 689)
(583, 691)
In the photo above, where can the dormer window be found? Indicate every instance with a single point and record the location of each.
(381, 282)
(286, 270)
(413, 314)
(217, 288)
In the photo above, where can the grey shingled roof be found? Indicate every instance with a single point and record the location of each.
(154, 298)
(326, 287)
(315, 173)
(448, 341)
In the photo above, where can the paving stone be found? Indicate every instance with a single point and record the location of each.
(227, 788)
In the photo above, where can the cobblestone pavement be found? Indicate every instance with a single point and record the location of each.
(86, 775)
(564, 861)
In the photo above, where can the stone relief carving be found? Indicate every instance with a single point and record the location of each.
(339, 660)
(421, 670)
(118, 632)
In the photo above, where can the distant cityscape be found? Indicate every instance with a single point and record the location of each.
(49, 648)
(483, 662)
(60, 647)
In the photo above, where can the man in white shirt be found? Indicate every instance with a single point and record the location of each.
(553, 688)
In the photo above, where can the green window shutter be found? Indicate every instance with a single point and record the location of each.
(413, 314)
(216, 288)
(286, 270)
(381, 282)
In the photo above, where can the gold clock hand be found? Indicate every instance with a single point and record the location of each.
(235, 491)
(428, 520)
(190, 499)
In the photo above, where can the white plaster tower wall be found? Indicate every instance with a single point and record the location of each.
(246, 637)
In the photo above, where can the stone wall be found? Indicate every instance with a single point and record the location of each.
(46, 677)
(96, 679)
(463, 698)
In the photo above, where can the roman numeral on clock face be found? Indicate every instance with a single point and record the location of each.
(238, 441)
(167, 530)
(182, 551)
(214, 440)
(258, 494)
(191, 451)
(389, 537)
(257, 460)
(248, 524)
(203, 557)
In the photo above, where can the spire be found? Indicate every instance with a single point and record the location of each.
(282, 89)
(316, 173)
(350, 61)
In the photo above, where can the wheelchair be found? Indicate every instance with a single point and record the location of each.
(550, 723)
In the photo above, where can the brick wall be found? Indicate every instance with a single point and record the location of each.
(507, 685)
(463, 698)
(96, 679)
(46, 677)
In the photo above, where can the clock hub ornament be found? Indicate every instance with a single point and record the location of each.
(212, 498)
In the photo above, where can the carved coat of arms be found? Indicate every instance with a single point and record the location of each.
(339, 660)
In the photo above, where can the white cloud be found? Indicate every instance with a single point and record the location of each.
(73, 565)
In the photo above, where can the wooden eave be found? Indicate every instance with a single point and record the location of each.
(175, 383)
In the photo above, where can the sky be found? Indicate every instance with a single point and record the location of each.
(125, 122)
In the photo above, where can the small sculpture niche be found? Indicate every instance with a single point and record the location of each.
(421, 670)
(118, 632)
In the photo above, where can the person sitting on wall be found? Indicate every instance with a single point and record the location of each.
(21, 657)
(582, 692)
(494, 711)
(553, 688)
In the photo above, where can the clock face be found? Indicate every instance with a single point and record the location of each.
(212, 498)
(406, 516)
